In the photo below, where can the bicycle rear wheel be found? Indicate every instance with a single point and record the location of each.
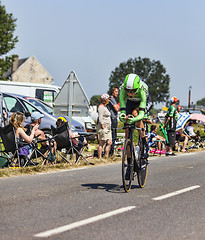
(142, 166)
(127, 165)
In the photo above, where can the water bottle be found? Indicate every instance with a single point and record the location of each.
(136, 152)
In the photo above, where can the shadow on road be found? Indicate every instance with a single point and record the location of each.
(102, 186)
(114, 188)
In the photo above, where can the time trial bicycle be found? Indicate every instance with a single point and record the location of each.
(132, 160)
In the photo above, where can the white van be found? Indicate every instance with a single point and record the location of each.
(45, 92)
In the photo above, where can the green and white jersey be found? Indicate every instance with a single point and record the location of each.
(172, 113)
(140, 96)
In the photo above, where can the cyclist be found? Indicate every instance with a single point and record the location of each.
(133, 97)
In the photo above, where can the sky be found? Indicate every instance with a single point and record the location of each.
(92, 37)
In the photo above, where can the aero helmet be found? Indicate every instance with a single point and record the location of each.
(132, 82)
(174, 99)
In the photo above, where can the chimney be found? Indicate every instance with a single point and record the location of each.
(15, 64)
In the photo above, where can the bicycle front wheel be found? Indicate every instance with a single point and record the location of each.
(127, 165)
(142, 166)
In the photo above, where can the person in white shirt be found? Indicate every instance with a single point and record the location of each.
(190, 131)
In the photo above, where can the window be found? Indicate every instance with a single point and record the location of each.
(13, 105)
(41, 105)
(29, 107)
(46, 95)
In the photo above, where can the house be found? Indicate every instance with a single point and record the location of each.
(28, 70)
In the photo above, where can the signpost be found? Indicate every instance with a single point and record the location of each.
(71, 101)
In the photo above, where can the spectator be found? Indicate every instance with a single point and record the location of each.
(170, 125)
(77, 140)
(104, 126)
(191, 133)
(180, 136)
(17, 120)
(179, 108)
(113, 107)
(147, 121)
(36, 120)
(152, 137)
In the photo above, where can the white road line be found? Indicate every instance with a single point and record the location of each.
(176, 193)
(83, 222)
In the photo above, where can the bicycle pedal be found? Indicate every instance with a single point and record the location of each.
(143, 166)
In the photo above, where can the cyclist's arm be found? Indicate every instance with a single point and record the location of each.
(123, 96)
(142, 106)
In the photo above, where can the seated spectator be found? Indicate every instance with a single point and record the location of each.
(190, 130)
(181, 137)
(154, 139)
(36, 120)
(77, 140)
(17, 120)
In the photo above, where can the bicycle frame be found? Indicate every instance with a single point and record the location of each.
(135, 165)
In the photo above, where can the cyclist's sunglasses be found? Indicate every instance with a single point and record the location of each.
(130, 90)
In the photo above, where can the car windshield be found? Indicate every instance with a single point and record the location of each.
(44, 107)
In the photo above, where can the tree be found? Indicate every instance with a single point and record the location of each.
(201, 102)
(151, 72)
(7, 39)
(94, 100)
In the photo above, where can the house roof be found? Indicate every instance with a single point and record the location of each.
(9, 72)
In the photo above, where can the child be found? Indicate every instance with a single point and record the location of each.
(152, 137)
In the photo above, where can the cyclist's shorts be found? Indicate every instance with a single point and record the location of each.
(131, 105)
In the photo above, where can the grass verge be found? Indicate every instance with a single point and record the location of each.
(32, 170)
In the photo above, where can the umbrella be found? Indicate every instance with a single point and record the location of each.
(198, 117)
(182, 119)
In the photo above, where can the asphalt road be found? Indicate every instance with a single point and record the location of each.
(90, 203)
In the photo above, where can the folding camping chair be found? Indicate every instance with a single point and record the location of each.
(64, 141)
(36, 152)
(10, 148)
(15, 149)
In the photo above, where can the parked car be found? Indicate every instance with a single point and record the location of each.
(89, 126)
(12, 103)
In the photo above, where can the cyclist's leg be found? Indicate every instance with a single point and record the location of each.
(140, 124)
(127, 174)
(130, 107)
(127, 168)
